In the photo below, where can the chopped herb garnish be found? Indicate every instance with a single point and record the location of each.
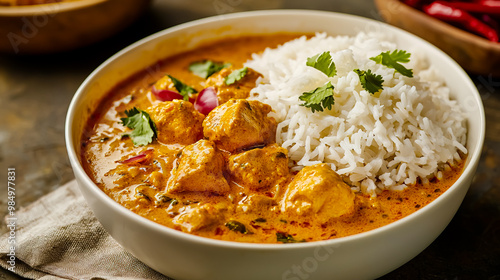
(393, 59)
(319, 98)
(206, 68)
(370, 81)
(287, 238)
(140, 194)
(187, 202)
(237, 226)
(143, 128)
(182, 88)
(324, 63)
(260, 220)
(236, 75)
(162, 199)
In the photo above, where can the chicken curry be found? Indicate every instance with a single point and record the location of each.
(181, 145)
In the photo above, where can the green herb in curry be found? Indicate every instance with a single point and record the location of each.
(236, 75)
(143, 128)
(237, 226)
(206, 68)
(182, 88)
(286, 238)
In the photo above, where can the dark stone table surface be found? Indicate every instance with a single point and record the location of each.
(35, 92)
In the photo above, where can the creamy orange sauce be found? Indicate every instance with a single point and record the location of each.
(140, 187)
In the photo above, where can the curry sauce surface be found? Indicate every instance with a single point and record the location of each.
(140, 186)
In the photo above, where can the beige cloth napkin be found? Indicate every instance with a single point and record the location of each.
(58, 237)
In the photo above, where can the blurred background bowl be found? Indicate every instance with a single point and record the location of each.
(48, 28)
(474, 53)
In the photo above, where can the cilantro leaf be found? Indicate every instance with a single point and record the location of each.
(319, 98)
(236, 75)
(237, 226)
(287, 238)
(143, 128)
(206, 68)
(324, 63)
(182, 88)
(370, 81)
(393, 59)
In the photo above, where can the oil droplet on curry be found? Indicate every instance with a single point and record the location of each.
(219, 174)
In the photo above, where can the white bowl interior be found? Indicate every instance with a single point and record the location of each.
(201, 258)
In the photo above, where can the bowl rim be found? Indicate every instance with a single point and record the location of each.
(47, 9)
(469, 170)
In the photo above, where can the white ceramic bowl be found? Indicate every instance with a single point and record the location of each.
(182, 256)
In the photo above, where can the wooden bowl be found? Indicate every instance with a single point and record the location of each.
(47, 28)
(474, 53)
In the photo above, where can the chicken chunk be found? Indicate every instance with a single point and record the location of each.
(257, 204)
(239, 124)
(193, 219)
(260, 169)
(238, 90)
(177, 121)
(318, 190)
(199, 169)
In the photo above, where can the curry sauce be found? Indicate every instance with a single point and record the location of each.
(221, 175)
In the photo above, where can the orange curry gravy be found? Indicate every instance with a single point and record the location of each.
(241, 213)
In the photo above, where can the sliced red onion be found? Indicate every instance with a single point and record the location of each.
(138, 158)
(165, 94)
(206, 100)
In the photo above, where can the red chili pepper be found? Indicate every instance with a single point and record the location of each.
(490, 21)
(444, 11)
(485, 6)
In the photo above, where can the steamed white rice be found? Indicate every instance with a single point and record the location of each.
(412, 130)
